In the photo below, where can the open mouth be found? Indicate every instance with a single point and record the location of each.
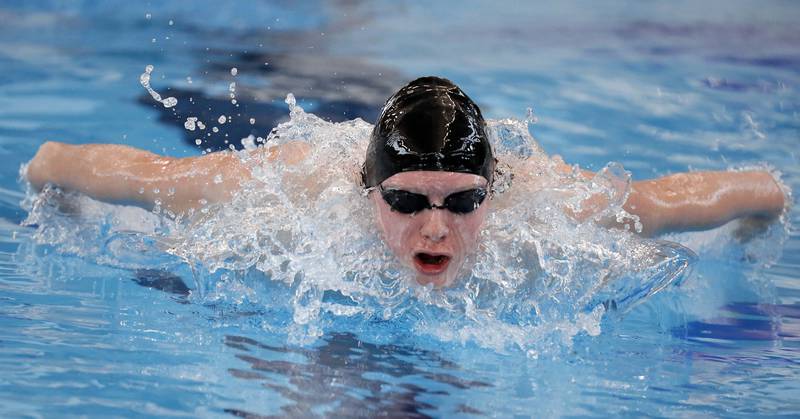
(431, 263)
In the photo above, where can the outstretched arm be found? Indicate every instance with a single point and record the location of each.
(703, 200)
(121, 174)
(692, 201)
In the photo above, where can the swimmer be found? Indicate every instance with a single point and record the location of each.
(429, 170)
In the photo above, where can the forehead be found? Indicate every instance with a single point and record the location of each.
(432, 181)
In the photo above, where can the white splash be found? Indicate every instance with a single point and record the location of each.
(532, 281)
(539, 279)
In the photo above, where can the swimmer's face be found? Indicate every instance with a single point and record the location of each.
(433, 242)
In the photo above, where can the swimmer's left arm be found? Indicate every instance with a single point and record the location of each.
(704, 200)
(691, 201)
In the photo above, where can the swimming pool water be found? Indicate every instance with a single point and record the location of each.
(659, 87)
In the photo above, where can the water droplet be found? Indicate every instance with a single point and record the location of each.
(141, 190)
(252, 121)
(169, 102)
(148, 16)
(221, 119)
(218, 179)
(234, 71)
(144, 80)
(201, 125)
(249, 142)
(290, 100)
(191, 123)
(530, 118)
(198, 141)
(171, 22)
(215, 129)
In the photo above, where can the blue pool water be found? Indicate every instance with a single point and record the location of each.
(660, 88)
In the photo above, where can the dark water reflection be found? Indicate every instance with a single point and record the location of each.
(347, 377)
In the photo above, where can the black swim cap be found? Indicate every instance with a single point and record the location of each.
(429, 124)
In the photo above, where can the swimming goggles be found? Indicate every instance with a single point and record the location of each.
(405, 202)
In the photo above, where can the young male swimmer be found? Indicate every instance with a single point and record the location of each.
(429, 170)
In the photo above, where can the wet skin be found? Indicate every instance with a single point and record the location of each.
(433, 242)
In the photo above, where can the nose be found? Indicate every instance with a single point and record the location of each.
(435, 228)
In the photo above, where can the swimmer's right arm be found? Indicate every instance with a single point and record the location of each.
(126, 175)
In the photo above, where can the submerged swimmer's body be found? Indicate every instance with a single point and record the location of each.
(429, 171)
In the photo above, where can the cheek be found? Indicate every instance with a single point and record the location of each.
(469, 228)
(395, 228)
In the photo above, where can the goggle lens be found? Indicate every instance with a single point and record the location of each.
(406, 202)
